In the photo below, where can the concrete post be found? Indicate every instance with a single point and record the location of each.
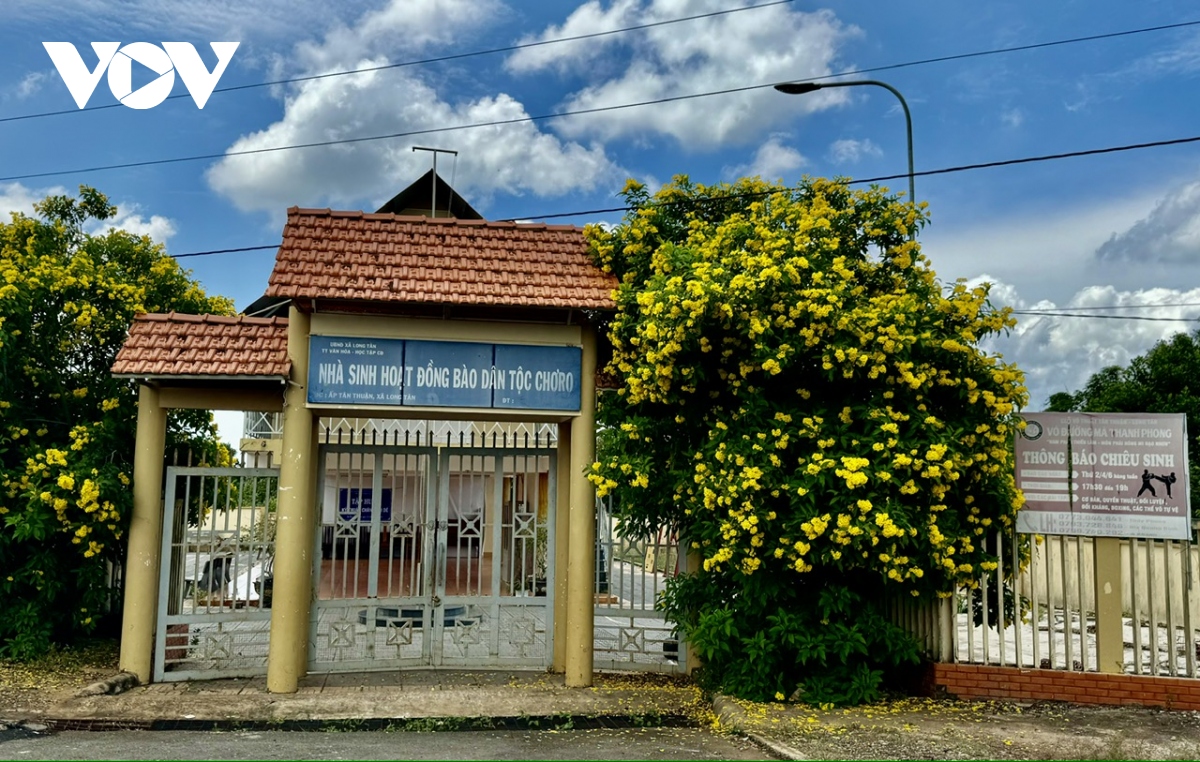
(692, 563)
(1110, 635)
(292, 593)
(310, 534)
(145, 538)
(562, 546)
(581, 565)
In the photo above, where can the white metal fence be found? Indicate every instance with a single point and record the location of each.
(1038, 609)
(631, 572)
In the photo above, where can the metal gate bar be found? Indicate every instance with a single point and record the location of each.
(630, 633)
(419, 570)
(214, 590)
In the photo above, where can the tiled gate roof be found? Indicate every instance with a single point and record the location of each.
(204, 345)
(420, 260)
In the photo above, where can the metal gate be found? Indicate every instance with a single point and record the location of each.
(433, 557)
(214, 615)
(631, 633)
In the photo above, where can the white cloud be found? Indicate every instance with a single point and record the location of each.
(1181, 58)
(849, 151)
(1012, 118)
(514, 158)
(30, 84)
(398, 26)
(15, 197)
(590, 18)
(1045, 251)
(772, 44)
(511, 158)
(1170, 233)
(1060, 353)
(157, 227)
(213, 19)
(773, 160)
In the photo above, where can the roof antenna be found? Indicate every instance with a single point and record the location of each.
(433, 199)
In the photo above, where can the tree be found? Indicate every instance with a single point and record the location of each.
(1163, 380)
(808, 406)
(67, 427)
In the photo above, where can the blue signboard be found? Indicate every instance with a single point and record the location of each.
(538, 377)
(350, 371)
(446, 374)
(403, 372)
(355, 504)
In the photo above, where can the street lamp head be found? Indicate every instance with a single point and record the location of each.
(798, 88)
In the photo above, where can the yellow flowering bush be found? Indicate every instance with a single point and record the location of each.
(809, 405)
(67, 427)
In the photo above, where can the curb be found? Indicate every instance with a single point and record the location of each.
(393, 724)
(11, 730)
(731, 714)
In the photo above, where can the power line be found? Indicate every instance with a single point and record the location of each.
(881, 178)
(522, 46)
(1033, 311)
(424, 61)
(390, 136)
(599, 109)
(1106, 317)
(224, 251)
(560, 114)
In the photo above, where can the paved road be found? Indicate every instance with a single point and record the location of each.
(631, 743)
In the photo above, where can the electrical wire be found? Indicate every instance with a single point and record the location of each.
(522, 46)
(436, 59)
(760, 194)
(1033, 311)
(1106, 317)
(560, 114)
(224, 251)
(882, 178)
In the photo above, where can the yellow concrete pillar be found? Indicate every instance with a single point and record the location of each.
(562, 549)
(145, 538)
(1110, 635)
(581, 564)
(693, 562)
(310, 534)
(292, 592)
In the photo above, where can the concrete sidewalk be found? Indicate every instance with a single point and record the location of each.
(378, 699)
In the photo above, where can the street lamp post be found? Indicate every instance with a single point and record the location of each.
(799, 88)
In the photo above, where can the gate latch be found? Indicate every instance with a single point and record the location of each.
(437, 601)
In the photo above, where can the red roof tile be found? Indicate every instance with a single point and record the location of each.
(421, 260)
(204, 345)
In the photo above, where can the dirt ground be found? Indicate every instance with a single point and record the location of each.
(27, 690)
(947, 729)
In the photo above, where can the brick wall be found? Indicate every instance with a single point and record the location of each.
(972, 681)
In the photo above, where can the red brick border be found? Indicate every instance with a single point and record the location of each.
(974, 681)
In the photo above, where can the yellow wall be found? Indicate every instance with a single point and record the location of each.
(381, 327)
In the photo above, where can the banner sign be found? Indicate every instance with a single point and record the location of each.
(1104, 475)
(355, 505)
(411, 373)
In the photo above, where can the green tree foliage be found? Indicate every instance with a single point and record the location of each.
(68, 295)
(809, 407)
(1163, 380)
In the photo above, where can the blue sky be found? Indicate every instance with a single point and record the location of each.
(1119, 229)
